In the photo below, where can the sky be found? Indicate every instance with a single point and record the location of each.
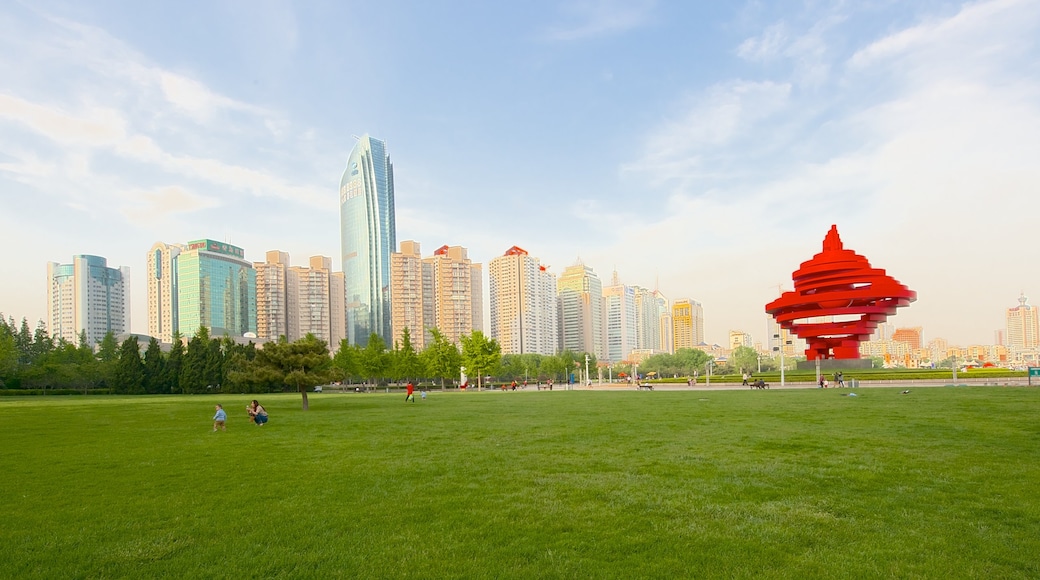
(700, 148)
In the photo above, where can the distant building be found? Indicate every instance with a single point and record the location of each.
(911, 336)
(738, 338)
(666, 325)
(408, 294)
(648, 319)
(687, 323)
(1023, 332)
(457, 285)
(523, 304)
(580, 311)
(368, 231)
(619, 313)
(294, 301)
(87, 296)
(442, 291)
(201, 283)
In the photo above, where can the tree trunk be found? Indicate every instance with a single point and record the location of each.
(306, 404)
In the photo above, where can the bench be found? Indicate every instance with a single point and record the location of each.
(759, 384)
(644, 387)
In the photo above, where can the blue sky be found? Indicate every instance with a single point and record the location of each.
(702, 147)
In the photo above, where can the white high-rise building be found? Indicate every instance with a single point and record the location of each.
(580, 309)
(87, 296)
(648, 319)
(619, 312)
(523, 304)
(1023, 330)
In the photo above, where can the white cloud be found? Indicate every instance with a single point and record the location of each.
(95, 127)
(766, 47)
(195, 99)
(595, 18)
(143, 207)
(722, 116)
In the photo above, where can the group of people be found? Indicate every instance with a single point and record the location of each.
(257, 415)
(410, 393)
(839, 380)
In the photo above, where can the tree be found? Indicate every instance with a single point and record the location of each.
(107, 355)
(407, 360)
(171, 377)
(154, 368)
(302, 364)
(193, 375)
(743, 359)
(480, 354)
(108, 351)
(346, 364)
(441, 357)
(128, 377)
(8, 353)
(308, 365)
(374, 359)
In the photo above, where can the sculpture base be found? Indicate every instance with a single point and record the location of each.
(836, 364)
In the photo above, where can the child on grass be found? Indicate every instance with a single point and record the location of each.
(220, 419)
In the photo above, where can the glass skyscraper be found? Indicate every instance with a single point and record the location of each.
(201, 283)
(368, 232)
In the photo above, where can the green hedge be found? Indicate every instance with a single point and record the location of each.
(33, 392)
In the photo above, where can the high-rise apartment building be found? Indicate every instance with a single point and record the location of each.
(1023, 332)
(87, 296)
(619, 313)
(648, 320)
(443, 291)
(580, 309)
(523, 304)
(738, 338)
(201, 283)
(458, 291)
(409, 295)
(911, 336)
(666, 325)
(272, 296)
(294, 301)
(687, 323)
(368, 232)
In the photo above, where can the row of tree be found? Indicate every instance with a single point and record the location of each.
(33, 360)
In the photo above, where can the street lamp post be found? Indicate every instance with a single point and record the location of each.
(780, 347)
(588, 381)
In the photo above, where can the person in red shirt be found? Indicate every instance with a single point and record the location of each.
(410, 396)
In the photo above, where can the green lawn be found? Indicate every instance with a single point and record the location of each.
(943, 482)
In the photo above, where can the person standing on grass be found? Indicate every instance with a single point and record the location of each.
(423, 394)
(220, 419)
(409, 396)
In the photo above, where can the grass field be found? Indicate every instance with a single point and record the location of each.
(940, 483)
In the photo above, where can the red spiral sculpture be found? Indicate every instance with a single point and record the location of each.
(838, 285)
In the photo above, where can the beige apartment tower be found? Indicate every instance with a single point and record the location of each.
(294, 301)
(408, 291)
(443, 291)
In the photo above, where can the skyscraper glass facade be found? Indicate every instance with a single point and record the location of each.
(368, 232)
(216, 288)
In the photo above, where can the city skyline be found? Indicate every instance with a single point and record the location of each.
(699, 150)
